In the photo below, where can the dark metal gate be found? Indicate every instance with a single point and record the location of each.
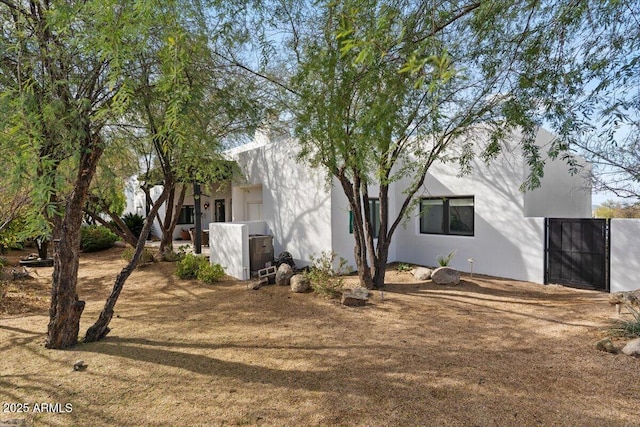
(577, 252)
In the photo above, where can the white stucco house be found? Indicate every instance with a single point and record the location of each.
(482, 215)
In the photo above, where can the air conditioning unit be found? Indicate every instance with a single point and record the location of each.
(260, 251)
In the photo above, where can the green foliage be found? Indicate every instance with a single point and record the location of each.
(3, 262)
(402, 267)
(134, 222)
(324, 276)
(444, 261)
(147, 256)
(629, 327)
(96, 238)
(197, 267)
(210, 273)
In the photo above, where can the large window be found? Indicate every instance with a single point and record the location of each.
(187, 215)
(447, 215)
(374, 214)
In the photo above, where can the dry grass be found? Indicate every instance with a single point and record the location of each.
(488, 352)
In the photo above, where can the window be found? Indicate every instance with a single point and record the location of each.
(374, 214)
(447, 215)
(187, 215)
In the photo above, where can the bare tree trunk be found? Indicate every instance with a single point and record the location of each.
(100, 328)
(171, 219)
(66, 308)
(352, 191)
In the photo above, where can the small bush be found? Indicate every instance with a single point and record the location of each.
(628, 328)
(134, 222)
(324, 278)
(3, 262)
(402, 267)
(96, 238)
(210, 273)
(146, 258)
(187, 268)
(444, 261)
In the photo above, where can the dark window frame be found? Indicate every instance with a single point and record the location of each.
(373, 214)
(187, 212)
(446, 217)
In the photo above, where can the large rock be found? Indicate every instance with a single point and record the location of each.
(632, 348)
(299, 283)
(284, 274)
(356, 297)
(421, 273)
(631, 298)
(445, 276)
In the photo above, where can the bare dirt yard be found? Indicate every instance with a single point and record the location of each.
(489, 352)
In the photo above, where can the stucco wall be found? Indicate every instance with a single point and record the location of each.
(229, 247)
(296, 204)
(625, 255)
(561, 194)
(504, 244)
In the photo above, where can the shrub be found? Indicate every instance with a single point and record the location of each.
(402, 267)
(630, 327)
(188, 267)
(324, 278)
(134, 222)
(210, 273)
(146, 258)
(444, 261)
(96, 238)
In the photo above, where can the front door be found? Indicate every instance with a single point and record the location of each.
(219, 211)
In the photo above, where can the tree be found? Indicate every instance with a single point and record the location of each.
(383, 89)
(67, 79)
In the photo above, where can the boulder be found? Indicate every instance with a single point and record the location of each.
(356, 297)
(445, 276)
(284, 274)
(421, 273)
(632, 348)
(299, 283)
(631, 298)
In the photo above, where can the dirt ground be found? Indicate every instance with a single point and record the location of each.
(488, 352)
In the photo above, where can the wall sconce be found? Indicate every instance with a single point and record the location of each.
(206, 206)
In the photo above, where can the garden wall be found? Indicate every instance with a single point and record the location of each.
(625, 255)
(229, 247)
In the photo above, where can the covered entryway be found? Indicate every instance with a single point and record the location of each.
(577, 252)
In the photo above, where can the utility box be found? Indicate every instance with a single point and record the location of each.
(260, 251)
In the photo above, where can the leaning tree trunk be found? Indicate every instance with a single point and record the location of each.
(65, 309)
(100, 328)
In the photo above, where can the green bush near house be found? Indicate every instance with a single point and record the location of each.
(95, 238)
(134, 222)
(196, 267)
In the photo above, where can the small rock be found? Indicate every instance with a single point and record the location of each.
(356, 297)
(445, 276)
(299, 283)
(119, 244)
(606, 345)
(421, 273)
(632, 348)
(284, 274)
(79, 365)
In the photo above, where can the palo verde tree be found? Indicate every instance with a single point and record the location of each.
(382, 89)
(205, 103)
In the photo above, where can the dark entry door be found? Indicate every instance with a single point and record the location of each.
(577, 252)
(218, 209)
